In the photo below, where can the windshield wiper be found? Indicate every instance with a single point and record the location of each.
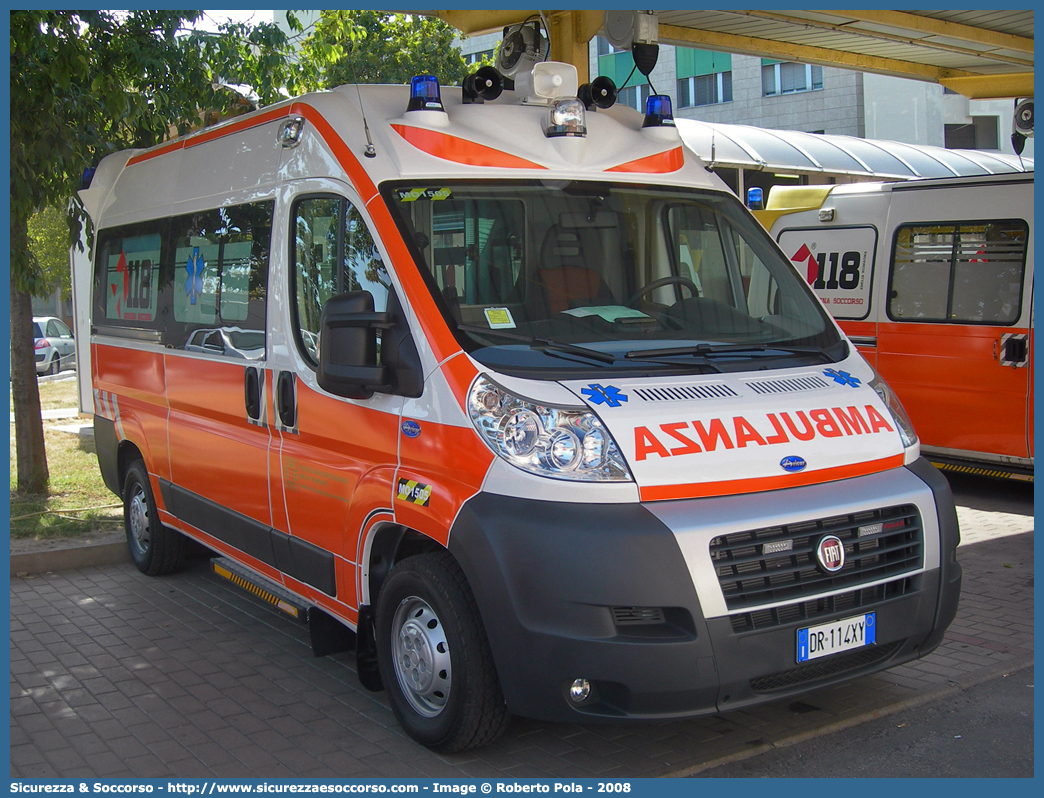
(709, 350)
(542, 343)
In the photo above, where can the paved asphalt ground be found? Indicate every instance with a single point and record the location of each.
(114, 674)
(985, 731)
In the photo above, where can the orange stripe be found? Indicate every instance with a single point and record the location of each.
(736, 486)
(238, 126)
(345, 157)
(148, 155)
(459, 372)
(211, 134)
(458, 150)
(668, 161)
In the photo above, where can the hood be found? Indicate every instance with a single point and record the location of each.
(722, 434)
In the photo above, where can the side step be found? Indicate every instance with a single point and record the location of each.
(328, 635)
(995, 470)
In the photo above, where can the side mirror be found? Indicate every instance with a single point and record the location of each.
(348, 346)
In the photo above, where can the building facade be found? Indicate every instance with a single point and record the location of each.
(747, 90)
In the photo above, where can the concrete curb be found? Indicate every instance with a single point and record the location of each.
(943, 691)
(38, 562)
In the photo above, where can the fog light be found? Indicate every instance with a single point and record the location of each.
(579, 691)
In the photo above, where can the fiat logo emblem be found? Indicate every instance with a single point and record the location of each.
(830, 553)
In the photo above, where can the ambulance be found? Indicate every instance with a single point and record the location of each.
(933, 282)
(504, 390)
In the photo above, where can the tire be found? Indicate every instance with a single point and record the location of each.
(434, 658)
(56, 364)
(154, 548)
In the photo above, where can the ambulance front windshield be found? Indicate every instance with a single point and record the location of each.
(531, 274)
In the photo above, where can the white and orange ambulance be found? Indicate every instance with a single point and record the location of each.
(511, 394)
(933, 281)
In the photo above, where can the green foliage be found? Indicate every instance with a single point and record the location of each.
(49, 245)
(381, 48)
(93, 82)
(86, 84)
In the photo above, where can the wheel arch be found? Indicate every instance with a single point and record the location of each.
(388, 544)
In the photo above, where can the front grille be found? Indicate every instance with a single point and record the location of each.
(825, 668)
(750, 578)
(637, 616)
(828, 605)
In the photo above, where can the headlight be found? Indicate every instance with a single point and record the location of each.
(559, 442)
(891, 401)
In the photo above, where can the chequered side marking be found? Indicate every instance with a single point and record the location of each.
(261, 593)
(985, 472)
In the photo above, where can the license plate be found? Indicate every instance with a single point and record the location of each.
(836, 636)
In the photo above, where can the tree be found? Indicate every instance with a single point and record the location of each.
(383, 48)
(49, 245)
(87, 83)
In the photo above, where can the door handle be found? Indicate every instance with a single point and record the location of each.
(1014, 349)
(286, 399)
(252, 393)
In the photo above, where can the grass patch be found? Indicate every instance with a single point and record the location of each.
(76, 482)
(55, 395)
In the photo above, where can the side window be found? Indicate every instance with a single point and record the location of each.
(166, 279)
(970, 272)
(220, 264)
(128, 279)
(62, 330)
(333, 252)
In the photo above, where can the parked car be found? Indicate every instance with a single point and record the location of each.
(55, 349)
(230, 341)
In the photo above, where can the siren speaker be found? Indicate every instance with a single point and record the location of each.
(1023, 120)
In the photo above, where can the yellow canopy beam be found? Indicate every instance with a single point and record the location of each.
(786, 51)
(992, 87)
(939, 27)
(843, 26)
(473, 22)
(570, 33)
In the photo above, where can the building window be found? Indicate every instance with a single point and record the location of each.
(705, 90)
(981, 134)
(482, 55)
(787, 77)
(634, 97)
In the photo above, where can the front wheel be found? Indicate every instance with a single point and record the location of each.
(434, 657)
(154, 548)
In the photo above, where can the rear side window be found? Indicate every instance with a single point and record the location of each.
(968, 272)
(188, 279)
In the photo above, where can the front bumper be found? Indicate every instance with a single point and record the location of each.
(626, 596)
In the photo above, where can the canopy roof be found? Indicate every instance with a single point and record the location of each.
(747, 147)
(978, 53)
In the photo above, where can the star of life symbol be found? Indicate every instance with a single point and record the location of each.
(194, 282)
(608, 395)
(842, 377)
